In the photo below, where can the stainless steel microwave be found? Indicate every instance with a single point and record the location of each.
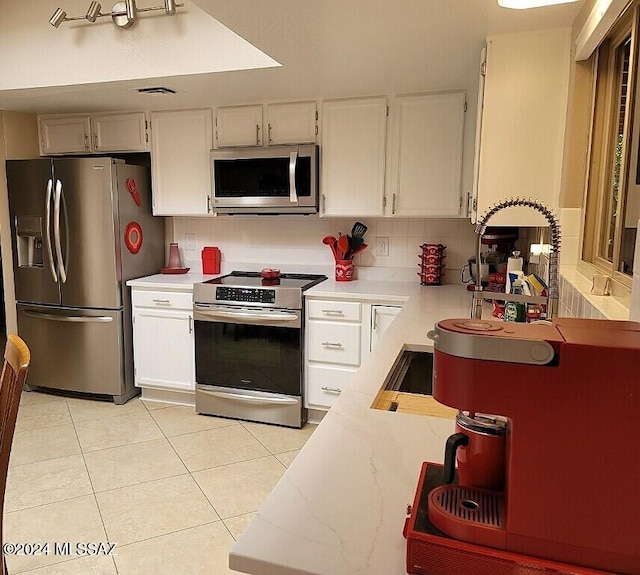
(270, 180)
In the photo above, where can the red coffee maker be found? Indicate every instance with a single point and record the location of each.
(569, 394)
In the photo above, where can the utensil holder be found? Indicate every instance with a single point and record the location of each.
(344, 270)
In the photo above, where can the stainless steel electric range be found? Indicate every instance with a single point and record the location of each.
(249, 342)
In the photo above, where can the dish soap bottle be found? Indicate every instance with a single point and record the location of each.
(515, 310)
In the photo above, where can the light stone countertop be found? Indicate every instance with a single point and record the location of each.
(340, 507)
(171, 281)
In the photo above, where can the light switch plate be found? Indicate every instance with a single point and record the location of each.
(190, 242)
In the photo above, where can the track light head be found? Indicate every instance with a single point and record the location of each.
(58, 17)
(131, 11)
(94, 11)
(170, 7)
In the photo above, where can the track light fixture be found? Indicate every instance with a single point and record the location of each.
(124, 13)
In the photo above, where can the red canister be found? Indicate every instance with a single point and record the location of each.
(210, 260)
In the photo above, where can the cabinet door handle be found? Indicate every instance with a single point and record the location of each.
(331, 389)
(393, 204)
(331, 344)
(208, 204)
(162, 301)
(86, 142)
(333, 311)
(257, 134)
(95, 141)
(270, 138)
(190, 324)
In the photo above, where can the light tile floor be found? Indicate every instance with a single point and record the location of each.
(171, 488)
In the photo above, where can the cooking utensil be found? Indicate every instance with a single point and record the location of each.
(358, 229)
(332, 242)
(356, 242)
(343, 247)
(358, 250)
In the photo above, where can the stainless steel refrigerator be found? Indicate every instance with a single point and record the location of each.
(80, 228)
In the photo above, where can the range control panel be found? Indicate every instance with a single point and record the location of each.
(250, 295)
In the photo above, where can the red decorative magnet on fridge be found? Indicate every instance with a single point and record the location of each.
(133, 237)
(131, 187)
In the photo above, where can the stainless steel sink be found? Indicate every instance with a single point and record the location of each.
(412, 373)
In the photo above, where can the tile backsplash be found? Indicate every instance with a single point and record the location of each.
(297, 240)
(576, 299)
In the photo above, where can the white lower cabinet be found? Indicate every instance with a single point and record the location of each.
(333, 342)
(338, 335)
(163, 344)
(381, 318)
(325, 383)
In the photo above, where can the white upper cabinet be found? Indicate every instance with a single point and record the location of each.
(353, 156)
(64, 134)
(88, 133)
(180, 162)
(118, 132)
(292, 123)
(522, 119)
(239, 126)
(425, 151)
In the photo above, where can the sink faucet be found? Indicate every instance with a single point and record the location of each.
(554, 225)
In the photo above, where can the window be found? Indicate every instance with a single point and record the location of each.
(613, 197)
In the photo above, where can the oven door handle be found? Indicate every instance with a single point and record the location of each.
(250, 398)
(258, 317)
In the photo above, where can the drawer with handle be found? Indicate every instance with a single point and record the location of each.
(325, 384)
(333, 310)
(334, 343)
(162, 299)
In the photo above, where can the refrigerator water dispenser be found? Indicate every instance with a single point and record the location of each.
(29, 241)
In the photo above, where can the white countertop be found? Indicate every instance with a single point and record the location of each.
(171, 281)
(340, 507)
(364, 290)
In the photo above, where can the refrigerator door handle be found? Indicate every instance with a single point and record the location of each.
(47, 217)
(56, 231)
(69, 318)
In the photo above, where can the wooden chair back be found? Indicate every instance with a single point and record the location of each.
(12, 378)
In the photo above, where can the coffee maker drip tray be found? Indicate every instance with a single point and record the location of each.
(468, 514)
(432, 552)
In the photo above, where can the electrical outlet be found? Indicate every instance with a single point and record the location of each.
(382, 246)
(190, 242)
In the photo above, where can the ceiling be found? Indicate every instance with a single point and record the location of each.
(327, 49)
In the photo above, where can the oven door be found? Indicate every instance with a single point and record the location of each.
(249, 348)
(249, 362)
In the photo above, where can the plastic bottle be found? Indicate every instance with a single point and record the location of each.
(515, 310)
(514, 264)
